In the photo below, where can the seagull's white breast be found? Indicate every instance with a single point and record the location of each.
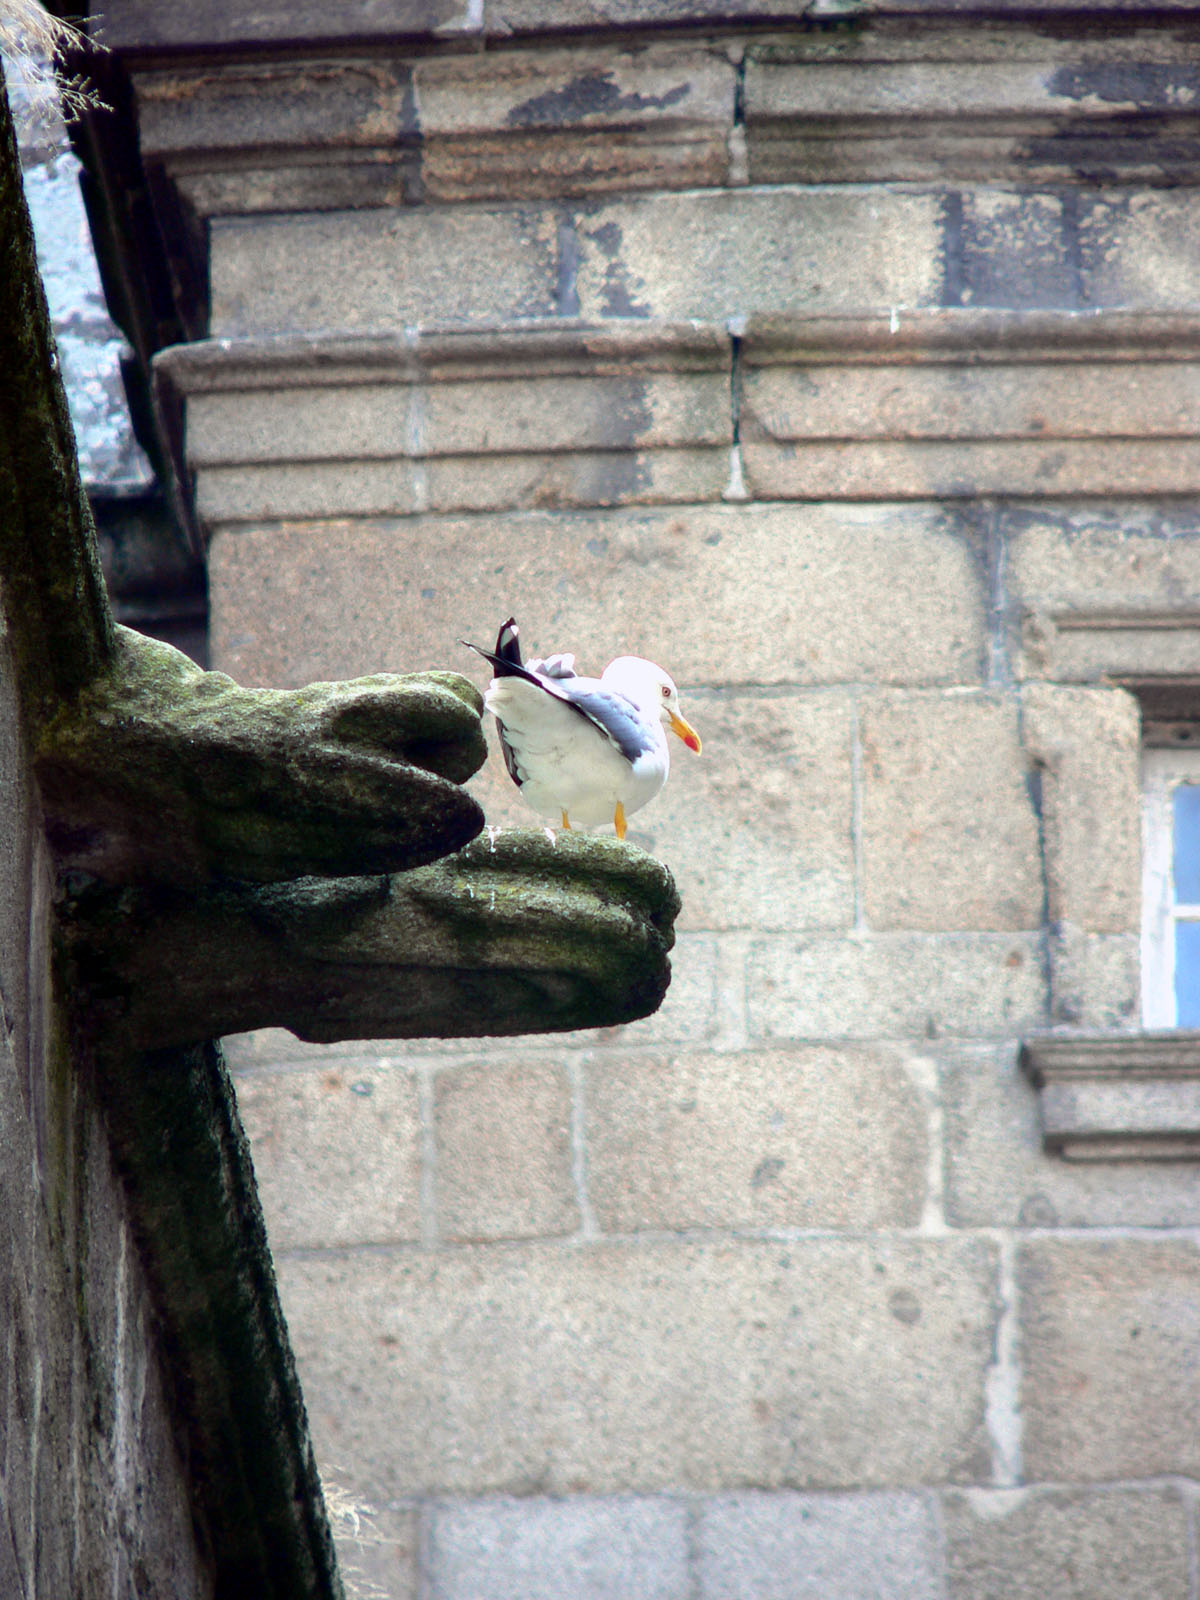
(564, 763)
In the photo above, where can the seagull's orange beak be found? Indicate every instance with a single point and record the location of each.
(685, 731)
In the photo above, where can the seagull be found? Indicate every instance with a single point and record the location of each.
(592, 749)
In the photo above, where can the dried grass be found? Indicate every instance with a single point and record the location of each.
(34, 46)
(351, 1523)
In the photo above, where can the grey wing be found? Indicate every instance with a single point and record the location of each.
(617, 718)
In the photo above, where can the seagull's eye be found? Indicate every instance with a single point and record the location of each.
(666, 691)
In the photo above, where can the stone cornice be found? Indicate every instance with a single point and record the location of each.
(160, 27)
(972, 335)
(542, 413)
(1023, 404)
(938, 403)
(539, 347)
(1107, 1097)
(1111, 1057)
(307, 108)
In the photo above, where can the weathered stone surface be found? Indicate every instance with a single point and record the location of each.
(895, 985)
(475, 416)
(949, 836)
(135, 25)
(1091, 646)
(534, 16)
(249, 110)
(161, 772)
(337, 1153)
(935, 469)
(1087, 746)
(542, 1549)
(965, 400)
(468, 483)
(727, 255)
(810, 1138)
(1080, 1545)
(24, 868)
(887, 107)
(84, 1409)
(1108, 1341)
(773, 784)
(171, 1121)
(526, 934)
(376, 269)
(503, 1163)
(575, 122)
(840, 1547)
(1135, 556)
(1095, 978)
(690, 1013)
(1104, 591)
(562, 1369)
(1104, 1097)
(1016, 250)
(1140, 250)
(792, 595)
(999, 1176)
(238, 137)
(546, 414)
(1053, 398)
(687, 1015)
(1122, 1121)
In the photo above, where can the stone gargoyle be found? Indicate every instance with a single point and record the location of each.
(225, 858)
(235, 857)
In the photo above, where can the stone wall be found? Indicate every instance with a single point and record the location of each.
(93, 1496)
(849, 370)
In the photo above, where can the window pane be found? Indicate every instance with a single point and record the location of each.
(1187, 843)
(1187, 974)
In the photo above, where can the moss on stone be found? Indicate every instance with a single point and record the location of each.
(256, 784)
(52, 586)
(230, 858)
(514, 934)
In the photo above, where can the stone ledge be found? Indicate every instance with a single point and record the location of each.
(148, 28)
(293, 109)
(540, 413)
(1127, 644)
(990, 402)
(298, 134)
(903, 101)
(553, 412)
(1117, 1097)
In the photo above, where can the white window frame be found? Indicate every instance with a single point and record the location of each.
(1163, 770)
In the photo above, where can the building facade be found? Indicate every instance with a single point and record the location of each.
(845, 360)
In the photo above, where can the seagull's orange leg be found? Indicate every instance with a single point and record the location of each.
(619, 821)
(566, 822)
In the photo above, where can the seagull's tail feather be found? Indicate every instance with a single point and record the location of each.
(506, 657)
(508, 644)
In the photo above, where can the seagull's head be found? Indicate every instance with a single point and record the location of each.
(652, 691)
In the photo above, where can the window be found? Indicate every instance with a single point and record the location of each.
(1171, 888)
